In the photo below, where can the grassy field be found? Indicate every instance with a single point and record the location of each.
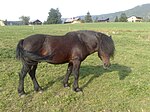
(123, 88)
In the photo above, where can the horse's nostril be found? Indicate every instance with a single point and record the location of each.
(105, 64)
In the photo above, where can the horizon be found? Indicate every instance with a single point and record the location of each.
(68, 9)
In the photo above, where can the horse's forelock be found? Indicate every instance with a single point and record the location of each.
(106, 44)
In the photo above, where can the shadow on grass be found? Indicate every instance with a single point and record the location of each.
(50, 83)
(95, 71)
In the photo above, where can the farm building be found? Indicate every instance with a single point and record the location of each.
(36, 22)
(135, 19)
(2, 23)
(72, 20)
(103, 20)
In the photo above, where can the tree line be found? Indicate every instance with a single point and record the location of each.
(123, 18)
(54, 17)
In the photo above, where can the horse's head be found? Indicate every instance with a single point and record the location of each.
(105, 59)
(106, 49)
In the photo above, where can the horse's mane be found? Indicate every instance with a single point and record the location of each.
(106, 44)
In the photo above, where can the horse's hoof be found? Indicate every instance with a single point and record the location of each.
(77, 89)
(66, 85)
(22, 95)
(39, 90)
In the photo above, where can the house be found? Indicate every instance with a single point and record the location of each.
(36, 22)
(2, 23)
(134, 19)
(72, 20)
(103, 20)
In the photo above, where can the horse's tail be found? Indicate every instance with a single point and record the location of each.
(20, 51)
(29, 57)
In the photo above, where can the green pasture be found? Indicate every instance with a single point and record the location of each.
(125, 87)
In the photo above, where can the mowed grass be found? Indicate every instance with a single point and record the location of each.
(125, 87)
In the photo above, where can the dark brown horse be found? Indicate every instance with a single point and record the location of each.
(71, 48)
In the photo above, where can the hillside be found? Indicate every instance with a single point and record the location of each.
(140, 11)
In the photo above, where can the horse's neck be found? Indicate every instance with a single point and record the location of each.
(92, 46)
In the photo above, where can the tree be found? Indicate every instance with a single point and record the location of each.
(96, 19)
(5, 22)
(54, 16)
(25, 19)
(123, 18)
(88, 18)
(116, 19)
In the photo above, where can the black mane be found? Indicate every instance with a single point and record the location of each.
(107, 44)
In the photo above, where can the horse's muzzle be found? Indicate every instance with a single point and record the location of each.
(106, 66)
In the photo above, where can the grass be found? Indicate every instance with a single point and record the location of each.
(123, 88)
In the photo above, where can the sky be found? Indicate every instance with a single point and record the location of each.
(38, 9)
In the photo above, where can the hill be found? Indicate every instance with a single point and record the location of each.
(140, 11)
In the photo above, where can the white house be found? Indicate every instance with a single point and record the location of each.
(73, 20)
(134, 19)
(2, 23)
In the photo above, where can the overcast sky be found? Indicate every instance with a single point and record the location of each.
(38, 9)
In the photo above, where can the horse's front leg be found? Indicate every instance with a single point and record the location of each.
(76, 67)
(69, 71)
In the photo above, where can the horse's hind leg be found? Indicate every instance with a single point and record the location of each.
(69, 70)
(32, 73)
(25, 69)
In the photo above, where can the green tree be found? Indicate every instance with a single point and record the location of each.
(96, 19)
(5, 22)
(116, 19)
(123, 18)
(88, 18)
(25, 19)
(54, 16)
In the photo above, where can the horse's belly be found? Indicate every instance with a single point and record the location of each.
(58, 60)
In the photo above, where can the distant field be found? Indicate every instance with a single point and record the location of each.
(123, 88)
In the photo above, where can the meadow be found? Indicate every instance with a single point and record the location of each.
(125, 87)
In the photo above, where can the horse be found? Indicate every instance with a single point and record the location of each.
(71, 48)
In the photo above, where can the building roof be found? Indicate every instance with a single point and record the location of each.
(37, 21)
(70, 20)
(136, 17)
